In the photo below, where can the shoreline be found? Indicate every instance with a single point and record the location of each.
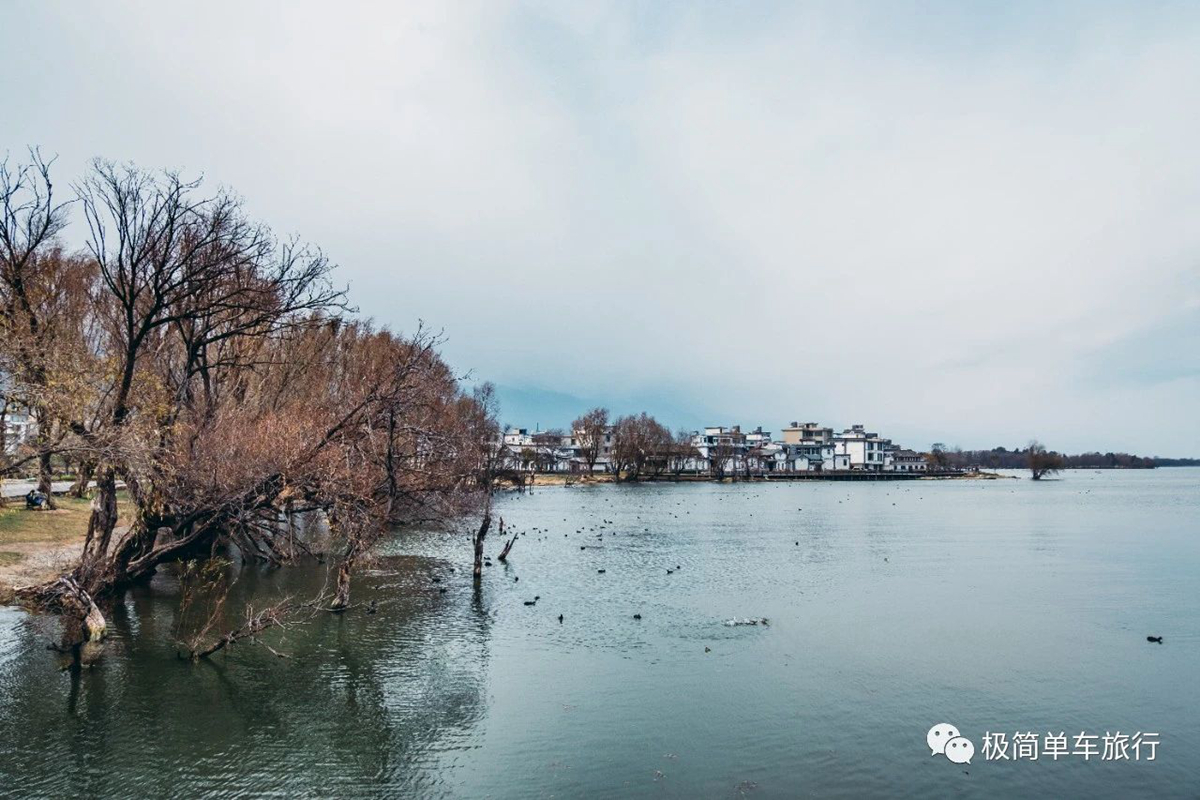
(535, 479)
(35, 546)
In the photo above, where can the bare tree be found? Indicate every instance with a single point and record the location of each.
(683, 452)
(939, 455)
(640, 444)
(481, 418)
(236, 397)
(546, 445)
(755, 460)
(624, 446)
(658, 446)
(721, 457)
(189, 280)
(590, 431)
(1041, 461)
(35, 281)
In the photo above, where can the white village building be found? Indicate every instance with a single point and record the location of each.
(805, 447)
(866, 450)
(19, 427)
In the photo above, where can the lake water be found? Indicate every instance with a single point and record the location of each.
(996, 606)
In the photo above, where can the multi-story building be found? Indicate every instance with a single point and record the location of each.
(907, 461)
(718, 437)
(865, 450)
(541, 451)
(798, 433)
(19, 427)
(516, 438)
(806, 447)
(807, 457)
(758, 437)
(574, 444)
(720, 447)
(810, 447)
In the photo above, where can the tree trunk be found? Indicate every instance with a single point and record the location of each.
(341, 595)
(93, 623)
(46, 480)
(507, 545)
(68, 597)
(100, 529)
(479, 537)
(153, 537)
(45, 468)
(86, 470)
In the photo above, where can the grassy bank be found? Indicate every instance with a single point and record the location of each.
(36, 545)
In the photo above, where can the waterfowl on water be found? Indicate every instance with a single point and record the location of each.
(560, 619)
(531, 602)
(1156, 639)
(637, 616)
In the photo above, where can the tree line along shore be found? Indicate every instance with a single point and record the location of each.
(218, 372)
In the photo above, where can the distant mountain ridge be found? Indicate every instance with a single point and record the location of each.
(536, 408)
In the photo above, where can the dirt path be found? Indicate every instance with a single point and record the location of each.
(27, 563)
(37, 545)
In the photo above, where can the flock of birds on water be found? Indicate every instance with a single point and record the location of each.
(598, 532)
(609, 526)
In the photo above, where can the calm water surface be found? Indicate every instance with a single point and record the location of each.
(992, 605)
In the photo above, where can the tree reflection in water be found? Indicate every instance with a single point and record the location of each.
(359, 700)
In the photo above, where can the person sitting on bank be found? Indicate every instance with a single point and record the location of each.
(35, 500)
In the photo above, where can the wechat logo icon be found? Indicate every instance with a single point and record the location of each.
(945, 740)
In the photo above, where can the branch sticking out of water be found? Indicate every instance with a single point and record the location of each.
(507, 545)
(256, 622)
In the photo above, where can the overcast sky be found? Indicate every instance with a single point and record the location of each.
(971, 223)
